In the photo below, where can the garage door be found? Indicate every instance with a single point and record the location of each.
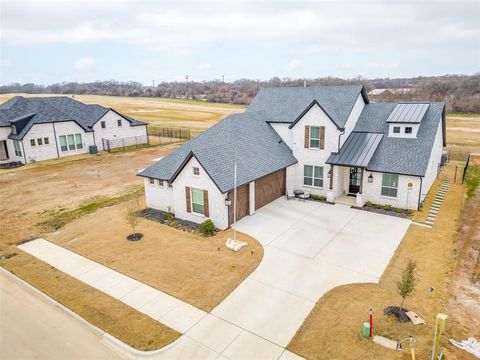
(269, 188)
(242, 203)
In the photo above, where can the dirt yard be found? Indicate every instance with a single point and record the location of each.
(332, 330)
(198, 270)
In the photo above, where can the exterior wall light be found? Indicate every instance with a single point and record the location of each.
(329, 174)
(228, 202)
(370, 178)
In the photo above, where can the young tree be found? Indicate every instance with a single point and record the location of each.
(131, 216)
(406, 285)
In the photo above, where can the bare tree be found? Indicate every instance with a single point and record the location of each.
(406, 285)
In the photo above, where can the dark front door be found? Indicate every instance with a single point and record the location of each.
(355, 178)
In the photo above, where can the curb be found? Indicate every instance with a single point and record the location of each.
(104, 335)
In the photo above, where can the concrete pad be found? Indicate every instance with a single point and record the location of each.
(187, 349)
(108, 281)
(123, 287)
(264, 310)
(140, 296)
(248, 346)
(160, 305)
(182, 317)
(95, 274)
(215, 333)
(287, 355)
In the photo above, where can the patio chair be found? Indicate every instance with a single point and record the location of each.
(290, 194)
(305, 195)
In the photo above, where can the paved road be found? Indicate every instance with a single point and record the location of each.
(31, 328)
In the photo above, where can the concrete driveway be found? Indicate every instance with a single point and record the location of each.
(310, 248)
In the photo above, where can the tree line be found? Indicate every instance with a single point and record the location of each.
(461, 93)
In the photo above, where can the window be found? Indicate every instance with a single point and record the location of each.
(63, 143)
(78, 141)
(102, 123)
(313, 176)
(16, 146)
(152, 180)
(170, 185)
(40, 141)
(70, 142)
(315, 137)
(196, 171)
(32, 142)
(46, 141)
(160, 182)
(197, 201)
(408, 130)
(396, 129)
(119, 122)
(390, 185)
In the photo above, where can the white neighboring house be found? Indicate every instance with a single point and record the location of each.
(329, 140)
(35, 129)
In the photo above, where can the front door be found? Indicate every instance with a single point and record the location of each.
(355, 178)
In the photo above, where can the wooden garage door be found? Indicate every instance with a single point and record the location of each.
(242, 203)
(269, 188)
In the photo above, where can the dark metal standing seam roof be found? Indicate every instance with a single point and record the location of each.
(408, 113)
(357, 151)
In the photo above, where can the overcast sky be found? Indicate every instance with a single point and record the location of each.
(53, 41)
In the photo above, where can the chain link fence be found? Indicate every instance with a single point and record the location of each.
(124, 143)
(163, 135)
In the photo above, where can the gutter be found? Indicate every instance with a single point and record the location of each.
(420, 192)
(55, 137)
(23, 150)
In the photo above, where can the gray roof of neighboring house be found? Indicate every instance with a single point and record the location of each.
(357, 151)
(242, 138)
(51, 109)
(401, 155)
(411, 113)
(287, 103)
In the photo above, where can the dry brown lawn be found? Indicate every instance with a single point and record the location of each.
(198, 270)
(463, 133)
(332, 330)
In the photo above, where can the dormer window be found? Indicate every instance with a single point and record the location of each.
(396, 129)
(408, 130)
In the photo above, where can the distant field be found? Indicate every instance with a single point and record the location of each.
(191, 114)
(463, 133)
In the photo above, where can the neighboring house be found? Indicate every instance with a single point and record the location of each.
(329, 140)
(35, 129)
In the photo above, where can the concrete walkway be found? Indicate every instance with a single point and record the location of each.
(309, 249)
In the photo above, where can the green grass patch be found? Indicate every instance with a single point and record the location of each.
(472, 179)
(460, 114)
(59, 218)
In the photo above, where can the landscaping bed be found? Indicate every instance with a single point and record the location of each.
(385, 210)
(168, 218)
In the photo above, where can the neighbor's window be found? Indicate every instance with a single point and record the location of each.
(32, 142)
(119, 122)
(63, 143)
(314, 137)
(152, 180)
(40, 141)
(71, 142)
(160, 182)
(102, 123)
(396, 129)
(313, 175)
(78, 141)
(46, 141)
(16, 146)
(390, 185)
(197, 201)
(408, 130)
(196, 171)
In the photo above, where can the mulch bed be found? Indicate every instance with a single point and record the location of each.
(398, 312)
(403, 214)
(11, 165)
(164, 218)
(134, 237)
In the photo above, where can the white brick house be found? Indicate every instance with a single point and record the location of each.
(36, 129)
(329, 141)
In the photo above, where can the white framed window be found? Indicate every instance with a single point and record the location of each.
(408, 130)
(103, 124)
(119, 122)
(196, 171)
(78, 141)
(160, 182)
(313, 176)
(152, 181)
(46, 141)
(389, 185)
(40, 141)
(71, 142)
(32, 142)
(198, 205)
(315, 137)
(16, 146)
(396, 129)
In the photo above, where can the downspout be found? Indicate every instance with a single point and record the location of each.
(419, 193)
(23, 149)
(55, 137)
(339, 135)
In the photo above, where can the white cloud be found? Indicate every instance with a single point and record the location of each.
(294, 64)
(84, 63)
(203, 66)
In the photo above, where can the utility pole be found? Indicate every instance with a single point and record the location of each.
(223, 79)
(186, 85)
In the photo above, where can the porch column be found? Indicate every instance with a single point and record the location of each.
(361, 181)
(251, 198)
(331, 177)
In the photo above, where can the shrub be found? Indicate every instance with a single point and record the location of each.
(207, 228)
(317, 197)
(173, 223)
(377, 206)
(388, 207)
(399, 210)
(369, 203)
(170, 216)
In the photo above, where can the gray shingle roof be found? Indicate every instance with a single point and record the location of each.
(401, 155)
(51, 109)
(357, 151)
(243, 138)
(286, 104)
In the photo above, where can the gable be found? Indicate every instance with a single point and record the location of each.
(314, 109)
